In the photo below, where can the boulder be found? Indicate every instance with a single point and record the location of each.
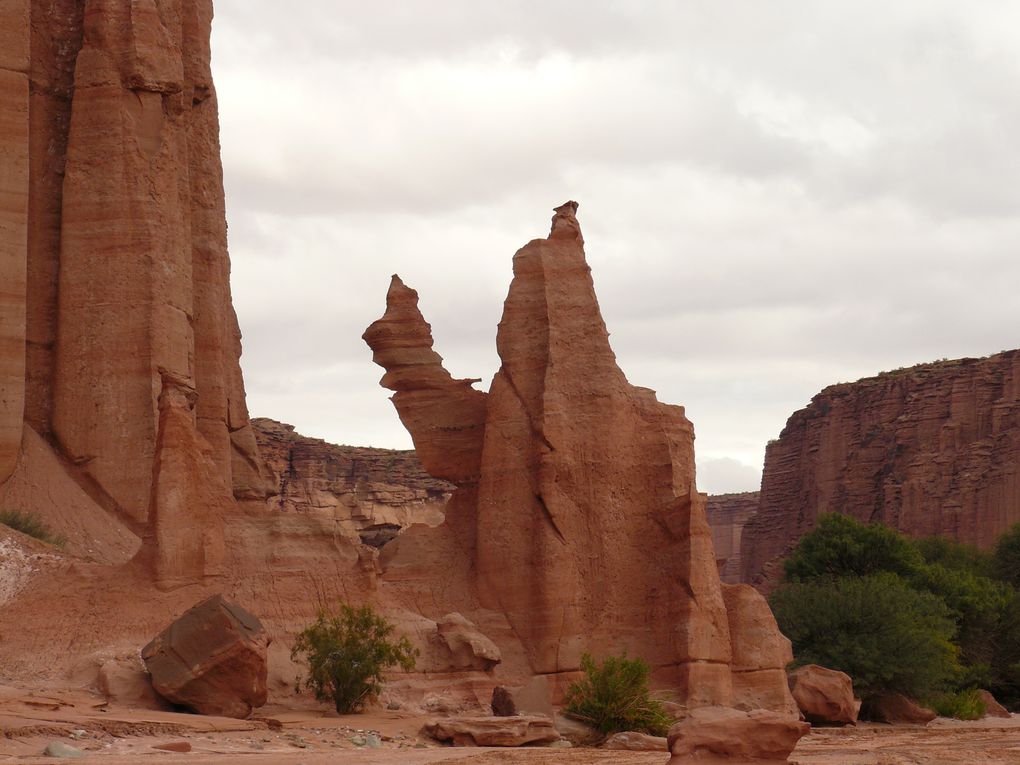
(469, 648)
(533, 698)
(211, 660)
(729, 735)
(992, 707)
(824, 696)
(493, 731)
(632, 741)
(895, 708)
(125, 681)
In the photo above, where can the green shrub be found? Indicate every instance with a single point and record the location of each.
(31, 525)
(840, 546)
(878, 629)
(614, 697)
(1007, 556)
(346, 652)
(964, 705)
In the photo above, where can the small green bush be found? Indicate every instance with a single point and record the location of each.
(31, 525)
(614, 697)
(346, 652)
(964, 705)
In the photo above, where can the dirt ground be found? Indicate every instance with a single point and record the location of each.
(30, 719)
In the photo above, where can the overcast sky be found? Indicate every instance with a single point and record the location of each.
(775, 196)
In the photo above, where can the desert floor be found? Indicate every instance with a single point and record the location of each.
(31, 719)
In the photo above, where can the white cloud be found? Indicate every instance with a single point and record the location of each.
(775, 196)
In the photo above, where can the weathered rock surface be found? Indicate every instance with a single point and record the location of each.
(212, 659)
(492, 731)
(717, 734)
(631, 741)
(576, 502)
(469, 648)
(372, 494)
(992, 707)
(727, 515)
(114, 273)
(897, 709)
(824, 696)
(929, 450)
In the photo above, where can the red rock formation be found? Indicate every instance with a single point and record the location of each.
(371, 494)
(113, 258)
(715, 735)
(576, 499)
(932, 449)
(727, 515)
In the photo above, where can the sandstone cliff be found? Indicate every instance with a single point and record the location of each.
(371, 494)
(118, 343)
(576, 501)
(933, 449)
(727, 515)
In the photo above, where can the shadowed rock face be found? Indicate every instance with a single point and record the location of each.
(929, 450)
(576, 489)
(113, 256)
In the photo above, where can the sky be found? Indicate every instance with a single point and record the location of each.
(775, 197)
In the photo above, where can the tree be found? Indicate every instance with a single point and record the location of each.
(346, 652)
(840, 546)
(1007, 556)
(888, 636)
(613, 696)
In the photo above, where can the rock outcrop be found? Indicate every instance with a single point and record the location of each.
(824, 696)
(576, 504)
(212, 659)
(493, 731)
(933, 449)
(371, 494)
(716, 734)
(727, 515)
(114, 275)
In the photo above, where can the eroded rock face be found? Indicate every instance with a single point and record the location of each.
(113, 256)
(212, 659)
(576, 501)
(929, 450)
(727, 516)
(716, 734)
(824, 696)
(372, 494)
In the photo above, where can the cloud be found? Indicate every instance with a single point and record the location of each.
(775, 197)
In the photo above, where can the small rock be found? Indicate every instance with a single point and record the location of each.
(358, 740)
(174, 746)
(633, 741)
(373, 741)
(78, 734)
(60, 749)
(393, 706)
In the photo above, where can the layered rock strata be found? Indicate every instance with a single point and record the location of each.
(727, 516)
(371, 494)
(929, 450)
(576, 502)
(114, 275)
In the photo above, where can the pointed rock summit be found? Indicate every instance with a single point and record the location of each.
(577, 492)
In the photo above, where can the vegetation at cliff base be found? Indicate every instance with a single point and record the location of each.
(346, 652)
(31, 525)
(613, 696)
(931, 618)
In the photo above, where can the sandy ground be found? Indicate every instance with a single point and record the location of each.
(31, 719)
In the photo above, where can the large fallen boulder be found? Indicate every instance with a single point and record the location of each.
(724, 735)
(493, 731)
(992, 707)
(824, 696)
(897, 709)
(212, 660)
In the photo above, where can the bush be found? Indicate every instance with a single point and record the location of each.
(614, 697)
(886, 635)
(840, 546)
(1007, 556)
(346, 652)
(965, 705)
(31, 525)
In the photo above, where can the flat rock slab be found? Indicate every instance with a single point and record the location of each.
(493, 731)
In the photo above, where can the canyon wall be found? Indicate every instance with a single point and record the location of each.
(929, 450)
(727, 515)
(576, 506)
(371, 494)
(117, 335)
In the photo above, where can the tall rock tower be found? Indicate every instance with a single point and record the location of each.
(119, 347)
